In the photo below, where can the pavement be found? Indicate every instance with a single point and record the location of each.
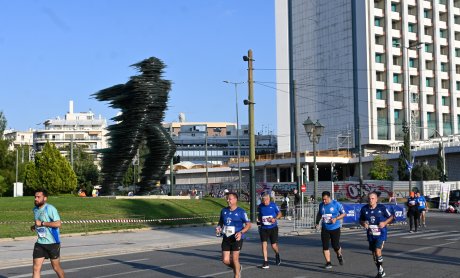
(18, 252)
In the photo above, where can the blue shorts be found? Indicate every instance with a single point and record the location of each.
(376, 244)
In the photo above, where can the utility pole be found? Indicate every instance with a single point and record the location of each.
(252, 151)
(171, 176)
(296, 139)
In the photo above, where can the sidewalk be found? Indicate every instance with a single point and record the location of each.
(18, 252)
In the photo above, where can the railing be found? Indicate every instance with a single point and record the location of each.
(290, 155)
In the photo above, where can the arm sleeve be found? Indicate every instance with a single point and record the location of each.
(362, 216)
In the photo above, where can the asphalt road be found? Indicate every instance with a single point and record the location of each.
(433, 252)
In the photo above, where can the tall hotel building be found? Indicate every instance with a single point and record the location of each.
(351, 63)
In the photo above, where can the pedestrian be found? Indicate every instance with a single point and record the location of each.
(267, 215)
(285, 205)
(233, 224)
(297, 203)
(412, 212)
(330, 212)
(273, 195)
(48, 245)
(375, 217)
(422, 209)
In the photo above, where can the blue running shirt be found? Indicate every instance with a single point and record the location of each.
(374, 216)
(267, 212)
(47, 235)
(233, 221)
(421, 202)
(329, 211)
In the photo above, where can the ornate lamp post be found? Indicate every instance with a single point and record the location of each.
(314, 132)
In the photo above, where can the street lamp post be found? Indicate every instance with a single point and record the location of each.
(237, 131)
(408, 125)
(314, 132)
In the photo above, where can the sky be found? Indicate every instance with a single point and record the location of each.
(55, 51)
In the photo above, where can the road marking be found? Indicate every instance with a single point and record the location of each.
(225, 272)
(425, 235)
(51, 272)
(451, 235)
(141, 270)
(420, 249)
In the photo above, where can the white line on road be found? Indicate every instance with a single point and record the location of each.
(420, 249)
(425, 234)
(51, 272)
(225, 272)
(140, 270)
(453, 234)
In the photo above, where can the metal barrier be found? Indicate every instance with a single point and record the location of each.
(304, 216)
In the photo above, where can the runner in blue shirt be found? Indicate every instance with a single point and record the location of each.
(233, 224)
(48, 245)
(374, 218)
(268, 212)
(330, 212)
(422, 208)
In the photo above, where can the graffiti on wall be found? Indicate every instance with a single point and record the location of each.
(351, 190)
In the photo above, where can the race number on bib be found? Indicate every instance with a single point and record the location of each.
(229, 230)
(267, 220)
(41, 231)
(327, 218)
(375, 230)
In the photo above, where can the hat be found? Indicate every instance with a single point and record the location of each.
(412, 194)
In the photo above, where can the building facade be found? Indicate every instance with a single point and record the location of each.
(83, 129)
(366, 68)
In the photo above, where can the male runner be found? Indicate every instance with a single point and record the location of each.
(233, 224)
(48, 245)
(268, 213)
(330, 211)
(374, 218)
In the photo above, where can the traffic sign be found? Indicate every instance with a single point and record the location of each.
(303, 188)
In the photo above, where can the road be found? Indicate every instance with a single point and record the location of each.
(429, 253)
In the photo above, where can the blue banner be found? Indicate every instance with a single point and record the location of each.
(353, 212)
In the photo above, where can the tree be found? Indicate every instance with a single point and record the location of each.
(3, 123)
(424, 172)
(403, 173)
(380, 170)
(51, 171)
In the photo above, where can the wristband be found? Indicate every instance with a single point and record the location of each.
(41, 223)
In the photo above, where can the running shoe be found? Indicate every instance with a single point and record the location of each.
(340, 259)
(380, 274)
(328, 265)
(241, 269)
(277, 259)
(411, 231)
(265, 265)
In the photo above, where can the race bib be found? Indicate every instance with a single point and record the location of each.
(327, 218)
(375, 230)
(422, 204)
(266, 220)
(41, 231)
(412, 202)
(229, 230)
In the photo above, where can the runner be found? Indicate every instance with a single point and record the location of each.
(422, 209)
(374, 218)
(268, 213)
(48, 245)
(412, 212)
(233, 224)
(330, 211)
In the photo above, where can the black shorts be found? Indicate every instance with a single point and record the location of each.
(47, 251)
(231, 244)
(271, 234)
(333, 236)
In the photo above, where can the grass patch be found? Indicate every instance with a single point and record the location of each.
(17, 217)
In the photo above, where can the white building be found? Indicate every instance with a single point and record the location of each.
(349, 60)
(19, 138)
(81, 128)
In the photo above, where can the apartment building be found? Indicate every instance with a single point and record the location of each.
(368, 66)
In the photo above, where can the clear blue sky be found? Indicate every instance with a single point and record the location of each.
(55, 51)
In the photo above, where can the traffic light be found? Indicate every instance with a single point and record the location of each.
(335, 175)
(443, 177)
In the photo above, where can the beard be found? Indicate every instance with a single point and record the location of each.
(39, 204)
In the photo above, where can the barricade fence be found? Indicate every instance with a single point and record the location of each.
(304, 217)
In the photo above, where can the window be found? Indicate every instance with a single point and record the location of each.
(396, 25)
(445, 84)
(457, 52)
(411, 28)
(443, 2)
(397, 113)
(412, 62)
(444, 67)
(378, 21)
(378, 58)
(457, 85)
(428, 48)
(395, 42)
(442, 33)
(444, 101)
(430, 116)
(394, 7)
(430, 99)
(429, 65)
(396, 78)
(397, 60)
(429, 82)
(379, 94)
(427, 13)
(379, 76)
(457, 69)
